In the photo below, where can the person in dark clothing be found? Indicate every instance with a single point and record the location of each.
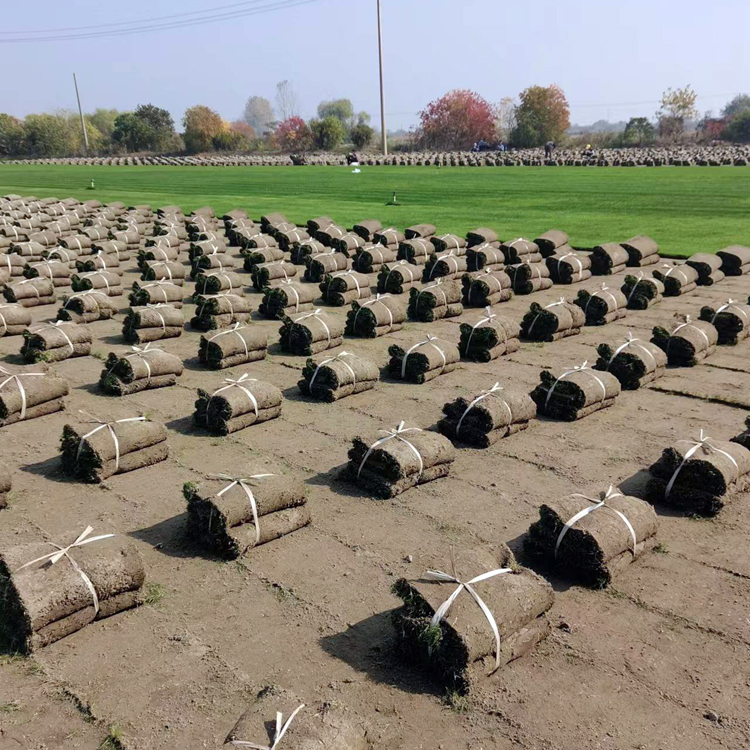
(549, 147)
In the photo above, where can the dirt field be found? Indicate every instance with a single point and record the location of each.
(659, 661)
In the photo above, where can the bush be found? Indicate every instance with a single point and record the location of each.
(293, 134)
(738, 129)
(361, 135)
(328, 132)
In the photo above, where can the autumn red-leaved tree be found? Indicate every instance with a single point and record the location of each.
(542, 115)
(456, 121)
(293, 134)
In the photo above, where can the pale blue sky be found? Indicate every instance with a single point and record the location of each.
(613, 59)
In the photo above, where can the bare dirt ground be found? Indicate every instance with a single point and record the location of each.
(641, 665)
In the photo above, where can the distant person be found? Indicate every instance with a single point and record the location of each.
(352, 158)
(549, 147)
(501, 146)
(589, 152)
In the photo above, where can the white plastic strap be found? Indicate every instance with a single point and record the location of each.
(430, 340)
(396, 433)
(279, 732)
(244, 483)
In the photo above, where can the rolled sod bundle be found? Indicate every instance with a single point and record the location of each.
(345, 287)
(398, 277)
(303, 250)
(602, 306)
(376, 317)
(480, 236)
(634, 362)
(549, 242)
(744, 437)
(161, 253)
(272, 220)
(213, 282)
(708, 267)
(253, 258)
(688, 344)
(30, 292)
(318, 266)
(321, 222)
(311, 333)
(14, 320)
(699, 476)
(454, 638)
(642, 292)
(485, 256)
(553, 322)
(12, 266)
(214, 311)
(326, 235)
(253, 242)
(58, 272)
(285, 299)
(527, 278)
(569, 267)
(99, 262)
(367, 228)
(5, 486)
(416, 251)
(592, 540)
(29, 251)
(268, 274)
(94, 450)
(438, 300)
(349, 244)
(389, 237)
(28, 395)
(62, 254)
(575, 393)
(482, 419)
(419, 230)
(152, 323)
(490, 337)
(241, 403)
(211, 262)
(45, 602)
(105, 282)
(520, 251)
(735, 260)
(207, 247)
(55, 342)
(236, 345)
(338, 377)
(642, 251)
(76, 242)
(143, 369)
(87, 307)
(446, 242)
(446, 265)
(608, 259)
(486, 288)
(157, 270)
(731, 320)
(111, 247)
(155, 293)
(424, 361)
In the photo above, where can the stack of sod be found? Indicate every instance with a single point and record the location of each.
(485, 256)
(367, 228)
(634, 362)
(250, 239)
(63, 254)
(699, 476)
(488, 416)
(319, 223)
(220, 311)
(436, 301)
(211, 263)
(31, 252)
(285, 299)
(12, 266)
(5, 486)
(372, 258)
(446, 242)
(576, 393)
(520, 251)
(486, 288)
(731, 320)
(735, 260)
(77, 242)
(289, 237)
(254, 258)
(642, 292)
(30, 292)
(419, 230)
(527, 278)
(688, 344)
(338, 377)
(214, 282)
(744, 437)
(553, 322)
(55, 342)
(376, 317)
(236, 345)
(160, 252)
(349, 244)
(550, 242)
(490, 337)
(460, 649)
(303, 250)
(110, 247)
(164, 271)
(326, 235)
(677, 280)
(446, 266)
(152, 323)
(311, 333)
(28, 395)
(342, 288)
(424, 361)
(597, 546)
(390, 237)
(44, 602)
(240, 403)
(141, 370)
(14, 320)
(416, 251)
(398, 277)
(207, 247)
(708, 266)
(56, 271)
(387, 466)
(642, 251)
(481, 236)
(603, 306)
(608, 259)
(318, 266)
(273, 273)
(105, 282)
(87, 307)
(100, 262)
(569, 267)
(94, 450)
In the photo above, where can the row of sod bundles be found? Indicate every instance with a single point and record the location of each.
(318, 266)
(44, 603)
(708, 266)
(214, 311)
(6, 483)
(398, 277)
(207, 247)
(14, 319)
(591, 540)
(520, 251)
(424, 361)
(698, 476)
(390, 237)
(152, 323)
(677, 280)
(252, 258)
(458, 640)
(276, 271)
(569, 267)
(94, 450)
(415, 231)
(550, 242)
(575, 393)
(490, 415)
(303, 250)
(372, 258)
(338, 377)
(87, 307)
(417, 251)
(608, 259)
(446, 242)
(342, 288)
(527, 278)
(490, 337)
(158, 270)
(689, 343)
(28, 395)
(366, 229)
(436, 301)
(237, 345)
(107, 282)
(242, 402)
(211, 263)
(735, 260)
(30, 292)
(446, 265)
(602, 306)
(141, 370)
(58, 272)
(642, 292)
(349, 244)
(376, 317)
(731, 320)
(214, 282)
(311, 333)
(55, 342)
(634, 362)
(480, 236)
(553, 322)
(486, 288)
(642, 251)
(286, 299)
(485, 256)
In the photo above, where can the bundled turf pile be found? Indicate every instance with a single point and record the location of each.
(266, 274)
(345, 287)
(744, 437)
(589, 539)
(215, 311)
(481, 236)
(417, 251)
(302, 250)
(28, 395)
(446, 242)
(366, 229)
(372, 258)
(100, 575)
(326, 235)
(152, 323)
(338, 377)
(30, 292)
(708, 267)
(155, 293)
(490, 337)
(285, 299)
(57, 271)
(603, 306)
(527, 278)
(255, 257)
(242, 402)
(55, 342)
(319, 223)
(99, 262)
(105, 282)
(488, 256)
(608, 259)
(63, 255)
(290, 236)
(207, 247)
(486, 288)
(143, 369)
(236, 345)
(688, 344)
(214, 262)
(349, 244)
(483, 419)
(424, 361)
(11, 266)
(634, 362)
(415, 231)
(436, 301)
(390, 237)
(94, 450)
(735, 260)
(731, 320)
(158, 270)
(575, 393)
(642, 251)
(5, 486)
(699, 476)
(446, 265)
(443, 628)
(550, 242)
(14, 320)
(311, 333)
(642, 292)
(520, 251)
(214, 282)
(569, 267)
(87, 307)
(677, 280)
(318, 266)
(398, 277)
(376, 317)
(553, 322)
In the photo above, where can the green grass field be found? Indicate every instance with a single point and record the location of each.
(687, 210)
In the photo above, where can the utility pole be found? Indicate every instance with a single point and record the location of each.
(80, 112)
(382, 90)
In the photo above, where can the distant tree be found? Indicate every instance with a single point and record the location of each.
(201, 125)
(738, 129)
(677, 106)
(132, 133)
(245, 130)
(287, 104)
(328, 132)
(160, 122)
(542, 115)
(456, 121)
(104, 121)
(50, 135)
(259, 114)
(341, 109)
(639, 132)
(11, 135)
(361, 135)
(293, 134)
(711, 128)
(506, 118)
(740, 103)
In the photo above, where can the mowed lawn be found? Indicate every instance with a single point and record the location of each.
(686, 209)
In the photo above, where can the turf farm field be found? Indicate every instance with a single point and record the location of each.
(686, 209)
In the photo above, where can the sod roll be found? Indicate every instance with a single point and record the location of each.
(603, 306)
(28, 395)
(735, 260)
(608, 259)
(575, 393)
(152, 323)
(569, 267)
(708, 266)
(87, 307)
(214, 311)
(642, 251)
(436, 301)
(553, 322)
(642, 292)
(142, 369)
(344, 287)
(311, 333)
(54, 342)
(237, 345)
(634, 362)
(337, 377)
(423, 361)
(376, 317)
(287, 299)
(488, 338)
(731, 320)
(550, 241)
(689, 343)
(14, 319)
(677, 280)
(486, 288)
